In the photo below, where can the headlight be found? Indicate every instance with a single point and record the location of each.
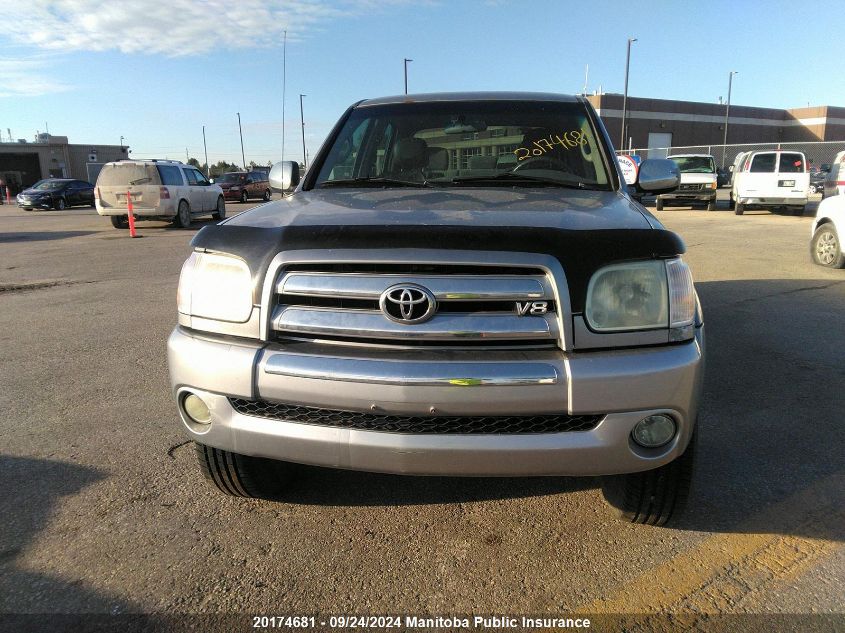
(216, 287)
(641, 296)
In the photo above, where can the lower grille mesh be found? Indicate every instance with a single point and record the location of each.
(458, 425)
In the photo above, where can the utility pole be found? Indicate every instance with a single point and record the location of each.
(625, 97)
(586, 78)
(727, 114)
(121, 144)
(406, 73)
(284, 85)
(302, 119)
(241, 132)
(186, 156)
(205, 149)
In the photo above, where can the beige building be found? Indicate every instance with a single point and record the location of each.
(667, 123)
(24, 163)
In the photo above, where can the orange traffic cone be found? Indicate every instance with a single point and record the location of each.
(130, 215)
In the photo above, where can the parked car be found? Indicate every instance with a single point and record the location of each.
(698, 182)
(243, 185)
(828, 226)
(771, 179)
(57, 193)
(159, 189)
(834, 182)
(817, 182)
(406, 312)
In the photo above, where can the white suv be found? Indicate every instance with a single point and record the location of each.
(829, 225)
(159, 189)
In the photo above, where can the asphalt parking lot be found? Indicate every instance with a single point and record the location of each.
(105, 510)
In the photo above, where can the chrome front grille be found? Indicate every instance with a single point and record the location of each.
(476, 305)
(690, 187)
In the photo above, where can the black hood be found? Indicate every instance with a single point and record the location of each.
(584, 230)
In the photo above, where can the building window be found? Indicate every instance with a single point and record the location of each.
(466, 152)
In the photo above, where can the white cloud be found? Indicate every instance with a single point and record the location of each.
(169, 27)
(26, 77)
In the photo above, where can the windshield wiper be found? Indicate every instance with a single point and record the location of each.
(373, 182)
(512, 177)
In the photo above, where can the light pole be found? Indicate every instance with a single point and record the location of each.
(625, 97)
(406, 73)
(302, 120)
(121, 144)
(205, 149)
(727, 114)
(284, 85)
(240, 130)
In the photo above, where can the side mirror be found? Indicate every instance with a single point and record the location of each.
(284, 176)
(658, 175)
(211, 180)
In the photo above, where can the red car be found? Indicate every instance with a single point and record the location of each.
(243, 185)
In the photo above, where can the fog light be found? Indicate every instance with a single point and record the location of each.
(654, 431)
(196, 409)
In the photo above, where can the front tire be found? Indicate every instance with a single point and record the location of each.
(243, 476)
(60, 204)
(825, 247)
(119, 221)
(739, 208)
(183, 216)
(658, 204)
(267, 195)
(652, 497)
(220, 214)
(711, 205)
(244, 196)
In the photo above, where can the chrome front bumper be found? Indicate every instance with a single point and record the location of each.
(624, 386)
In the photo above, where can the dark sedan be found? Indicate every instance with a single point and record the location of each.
(57, 193)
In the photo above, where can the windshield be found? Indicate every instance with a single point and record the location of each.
(464, 143)
(49, 185)
(694, 164)
(230, 178)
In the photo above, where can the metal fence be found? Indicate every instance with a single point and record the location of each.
(818, 153)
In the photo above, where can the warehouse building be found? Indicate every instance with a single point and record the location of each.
(668, 123)
(23, 163)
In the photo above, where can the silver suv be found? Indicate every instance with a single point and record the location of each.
(461, 285)
(159, 190)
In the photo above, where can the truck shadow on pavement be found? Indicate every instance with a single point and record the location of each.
(326, 486)
(771, 453)
(31, 492)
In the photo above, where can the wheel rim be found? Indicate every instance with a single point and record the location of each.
(243, 197)
(827, 248)
(61, 204)
(184, 214)
(221, 207)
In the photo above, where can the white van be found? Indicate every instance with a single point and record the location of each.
(698, 182)
(773, 178)
(160, 190)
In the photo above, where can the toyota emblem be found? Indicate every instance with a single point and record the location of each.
(408, 303)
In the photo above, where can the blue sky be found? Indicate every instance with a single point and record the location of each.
(156, 72)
